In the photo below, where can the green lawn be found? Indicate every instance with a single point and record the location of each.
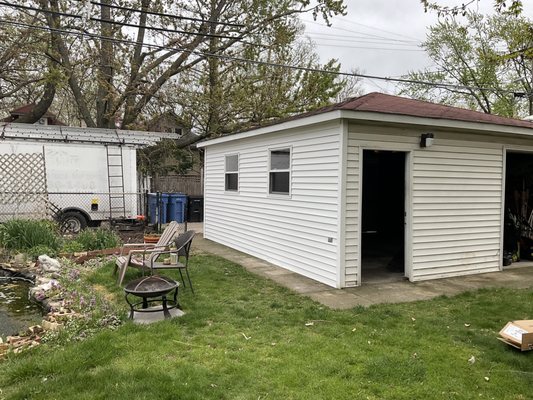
(244, 337)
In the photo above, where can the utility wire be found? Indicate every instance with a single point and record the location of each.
(369, 41)
(254, 62)
(167, 15)
(153, 28)
(64, 14)
(352, 31)
(364, 47)
(357, 36)
(377, 29)
(116, 22)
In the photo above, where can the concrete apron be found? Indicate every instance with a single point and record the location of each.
(372, 293)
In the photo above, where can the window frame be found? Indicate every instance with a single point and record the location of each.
(226, 172)
(270, 193)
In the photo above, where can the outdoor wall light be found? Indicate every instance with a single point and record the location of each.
(426, 140)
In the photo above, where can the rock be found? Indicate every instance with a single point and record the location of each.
(51, 326)
(41, 280)
(49, 285)
(35, 329)
(19, 259)
(49, 264)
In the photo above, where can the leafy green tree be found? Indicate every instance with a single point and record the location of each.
(478, 54)
(124, 65)
(502, 6)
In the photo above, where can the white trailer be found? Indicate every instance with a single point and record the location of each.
(80, 176)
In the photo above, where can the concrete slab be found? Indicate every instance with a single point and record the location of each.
(519, 277)
(145, 318)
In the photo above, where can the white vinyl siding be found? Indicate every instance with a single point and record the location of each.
(290, 231)
(456, 202)
(351, 238)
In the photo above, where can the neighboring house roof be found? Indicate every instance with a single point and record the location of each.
(393, 106)
(14, 114)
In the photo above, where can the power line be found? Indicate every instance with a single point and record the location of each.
(64, 14)
(157, 29)
(377, 29)
(369, 41)
(116, 22)
(159, 14)
(364, 47)
(256, 62)
(352, 31)
(363, 36)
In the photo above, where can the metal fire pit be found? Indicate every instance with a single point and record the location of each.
(152, 289)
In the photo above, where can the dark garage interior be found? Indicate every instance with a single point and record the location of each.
(518, 219)
(383, 215)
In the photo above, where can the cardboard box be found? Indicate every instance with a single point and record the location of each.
(518, 334)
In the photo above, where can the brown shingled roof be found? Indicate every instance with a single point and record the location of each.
(14, 114)
(387, 104)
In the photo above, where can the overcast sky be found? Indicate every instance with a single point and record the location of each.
(380, 37)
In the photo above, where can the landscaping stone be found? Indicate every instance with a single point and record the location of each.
(49, 264)
(44, 292)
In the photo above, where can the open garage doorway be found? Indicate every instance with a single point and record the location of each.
(383, 216)
(518, 217)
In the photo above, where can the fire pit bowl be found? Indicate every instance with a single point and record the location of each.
(152, 289)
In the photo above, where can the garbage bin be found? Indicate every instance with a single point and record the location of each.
(152, 207)
(176, 207)
(155, 209)
(163, 210)
(195, 209)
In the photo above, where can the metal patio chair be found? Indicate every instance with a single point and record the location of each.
(138, 253)
(183, 246)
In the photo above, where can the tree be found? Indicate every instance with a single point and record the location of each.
(473, 54)
(132, 56)
(24, 74)
(502, 6)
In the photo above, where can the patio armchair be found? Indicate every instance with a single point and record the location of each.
(136, 254)
(182, 249)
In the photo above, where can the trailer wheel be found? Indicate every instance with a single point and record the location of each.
(72, 222)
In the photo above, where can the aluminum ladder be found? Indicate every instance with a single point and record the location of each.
(115, 176)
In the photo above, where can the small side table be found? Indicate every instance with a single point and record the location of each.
(152, 289)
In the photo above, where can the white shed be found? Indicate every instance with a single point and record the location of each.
(374, 186)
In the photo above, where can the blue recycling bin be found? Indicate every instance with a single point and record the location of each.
(176, 207)
(153, 207)
(164, 205)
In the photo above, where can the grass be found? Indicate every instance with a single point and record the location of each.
(244, 337)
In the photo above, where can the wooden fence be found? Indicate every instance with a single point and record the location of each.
(191, 185)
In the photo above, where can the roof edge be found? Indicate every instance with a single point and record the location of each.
(296, 123)
(485, 127)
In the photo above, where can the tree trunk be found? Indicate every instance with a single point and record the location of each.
(41, 107)
(136, 60)
(213, 121)
(105, 71)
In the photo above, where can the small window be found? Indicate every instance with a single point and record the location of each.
(280, 171)
(232, 173)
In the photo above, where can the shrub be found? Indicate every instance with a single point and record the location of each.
(39, 250)
(98, 239)
(23, 234)
(72, 246)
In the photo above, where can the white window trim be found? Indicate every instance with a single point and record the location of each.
(289, 170)
(232, 172)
